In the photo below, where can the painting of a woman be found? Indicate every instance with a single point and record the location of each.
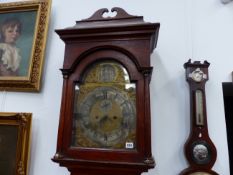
(10, 56)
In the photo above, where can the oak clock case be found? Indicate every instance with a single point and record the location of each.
(199, 149)
(105, 125)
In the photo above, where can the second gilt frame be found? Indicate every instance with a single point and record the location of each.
(15, 130)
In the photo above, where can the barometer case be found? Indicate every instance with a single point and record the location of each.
(105, 125)
(199, 148)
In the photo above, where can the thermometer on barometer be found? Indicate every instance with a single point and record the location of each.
(199, 108)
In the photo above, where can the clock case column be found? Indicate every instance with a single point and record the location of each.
(129, 41)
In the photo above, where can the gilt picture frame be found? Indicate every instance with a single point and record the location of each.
(15, 129)
(23, 35)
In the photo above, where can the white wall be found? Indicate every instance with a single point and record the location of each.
(226, 1)
(189, 29)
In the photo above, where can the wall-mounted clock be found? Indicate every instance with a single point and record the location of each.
(199, 149)
(105, 125)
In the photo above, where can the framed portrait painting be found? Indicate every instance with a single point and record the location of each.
(23, 34)
(15, 131)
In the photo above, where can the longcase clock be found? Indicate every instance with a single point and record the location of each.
(105, 125)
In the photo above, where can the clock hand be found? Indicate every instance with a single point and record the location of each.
(105, 94)
(103, 120)
(106, 104)
(105, 137)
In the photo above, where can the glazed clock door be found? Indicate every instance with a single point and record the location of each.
(105, 108)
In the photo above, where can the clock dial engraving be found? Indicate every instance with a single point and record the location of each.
(107, 73)
(105, 113)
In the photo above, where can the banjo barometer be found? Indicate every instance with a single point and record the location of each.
(199, 149)
(105, 125)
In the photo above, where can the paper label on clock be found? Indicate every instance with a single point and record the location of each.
(129, 145)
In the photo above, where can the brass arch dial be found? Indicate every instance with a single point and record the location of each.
(105, 108)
